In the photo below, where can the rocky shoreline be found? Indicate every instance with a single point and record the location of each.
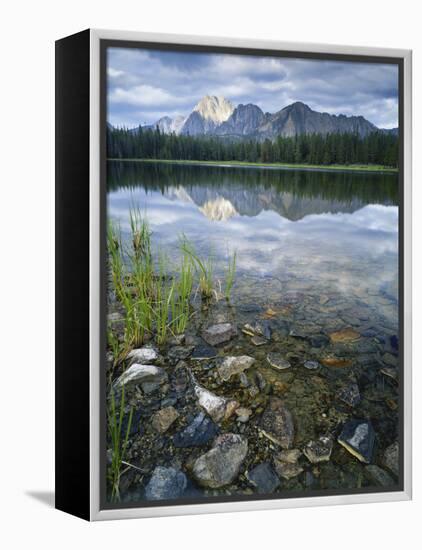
(257, 400)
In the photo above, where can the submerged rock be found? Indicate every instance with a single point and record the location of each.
(258, 341)
(379, 476)
(391, 458)
(390, 372)
(258, 328)
(219, 333)
(201, 430)
(264, 478)
(311, 365)
(358, 437)
(319, 450)
(219, 408)
(164, 418)
(165, 483)
(277, 361)
(277, 423)
(179, 353)
(143, 355)
(350, 394)
(243, 414)
(203, 351)
(139, 374)
(234, 365)
(336, 362)
(286, 463)
(319, 340)
(291, 455)
(287, 470)
(221, 465)
(344, 336)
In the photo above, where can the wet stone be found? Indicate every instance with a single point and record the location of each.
(319, 450)
(391, 458)
(344, 336)
(234, 365)
(358, 437)
(287, 470)
(165, 483)
(318, 340)
(201, 430)
(219, 408)
(260, 379)
(179, 353)
(163, 419)
(221, 465)
(277, 423)
(243, 414)
(258, 328)
(203, 351)
(390, 372)
(277, 361)
(350, 394)
(258, 341)
(311, 365)
(219, 333)
(390, 360)
(264, 478)
(243, 380)
(141, 374)
(143, 355)
(379, 476)
(336, 362)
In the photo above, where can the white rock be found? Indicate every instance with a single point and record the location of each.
(234, 365)
(144, 355)
(218, 408)
(138, 374)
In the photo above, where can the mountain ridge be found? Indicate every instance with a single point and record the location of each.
(217, 116)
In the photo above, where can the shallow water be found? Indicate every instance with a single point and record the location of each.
(314, 232)
(317, 252)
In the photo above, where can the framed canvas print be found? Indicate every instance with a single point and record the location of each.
(233, 274)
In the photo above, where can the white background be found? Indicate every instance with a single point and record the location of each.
(27, 272)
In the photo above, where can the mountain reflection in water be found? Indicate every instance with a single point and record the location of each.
(308, 229)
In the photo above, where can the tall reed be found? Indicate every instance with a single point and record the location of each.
(205, 268)
(230, 276)
(118, 442)
(181, 298)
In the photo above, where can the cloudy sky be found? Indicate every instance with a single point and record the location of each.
(144, 85)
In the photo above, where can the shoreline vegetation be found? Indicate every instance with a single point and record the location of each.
(273, 165)
(157, 301)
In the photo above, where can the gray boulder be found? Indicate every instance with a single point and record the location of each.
(358, 437)
(219, 333)
(139, 374)
(165, 483)
(234, 365)
(277, 424)
(264, 478)
(221, 465)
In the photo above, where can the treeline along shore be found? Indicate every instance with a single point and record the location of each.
(377, 148)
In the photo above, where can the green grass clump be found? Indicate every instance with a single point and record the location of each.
(155, 296)
(205, 268)
(181, 297)
(230, 275)
(118, 443)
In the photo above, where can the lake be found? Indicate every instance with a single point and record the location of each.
(314, 232)
(317, 260)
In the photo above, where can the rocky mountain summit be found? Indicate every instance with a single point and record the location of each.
(217, 116)
(207, 116)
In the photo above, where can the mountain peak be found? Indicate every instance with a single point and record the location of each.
(214, 108)
(298, 105)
